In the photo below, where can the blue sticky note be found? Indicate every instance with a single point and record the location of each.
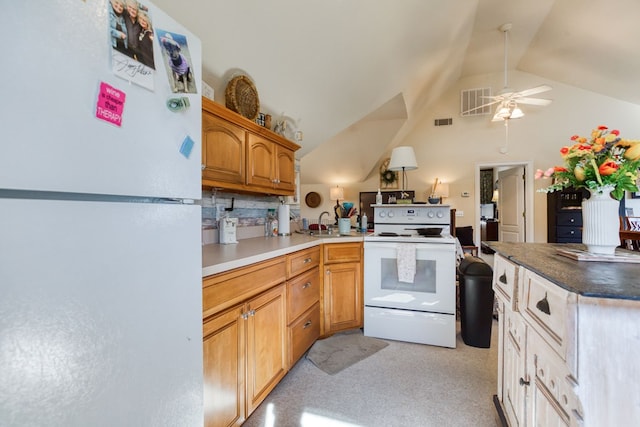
(186, 147)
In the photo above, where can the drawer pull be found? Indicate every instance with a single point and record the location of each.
(306, 285)
(307, 324)
(307, 260)
(543, 305)
(503, 278)
(523, 382)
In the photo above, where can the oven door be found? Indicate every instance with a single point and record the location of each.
(433, 288)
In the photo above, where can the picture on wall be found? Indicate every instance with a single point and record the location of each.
(388, 178)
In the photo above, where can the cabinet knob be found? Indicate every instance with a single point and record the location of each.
(306, 285)
(572, 220)
(523, 382)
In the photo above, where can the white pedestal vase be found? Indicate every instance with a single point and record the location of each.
(600, 222)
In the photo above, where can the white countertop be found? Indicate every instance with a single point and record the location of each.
(217, 258)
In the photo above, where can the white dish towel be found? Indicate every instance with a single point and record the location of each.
(406, 259)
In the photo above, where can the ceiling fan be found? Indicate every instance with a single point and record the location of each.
(507, 99)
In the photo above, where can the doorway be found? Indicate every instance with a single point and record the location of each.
(525, 204)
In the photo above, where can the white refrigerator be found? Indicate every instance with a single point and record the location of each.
(100, 252)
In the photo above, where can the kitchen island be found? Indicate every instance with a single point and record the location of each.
(616, 280)
(569, 332)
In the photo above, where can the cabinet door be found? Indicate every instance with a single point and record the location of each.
(223, 150)
(266, 344)
(285, 169)
(260, 162)
(515, 380)
(342, 297)
(223, 358)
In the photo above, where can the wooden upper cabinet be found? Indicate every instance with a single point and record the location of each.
(270, 165)
(261, 161)
(240, 155)
(285, 169)
(223, 150)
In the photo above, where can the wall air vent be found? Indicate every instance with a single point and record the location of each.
(443, 122)
(471, 99)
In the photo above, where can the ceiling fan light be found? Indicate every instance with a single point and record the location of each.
(502, 113)
(516, 113)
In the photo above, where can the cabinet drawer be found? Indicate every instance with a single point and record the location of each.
(568, 234)
(303, 333)
(342, 252)
(551, 312)
(505, 280)
(302, 261)
(224, 290)
(302, 292)
(569, 218)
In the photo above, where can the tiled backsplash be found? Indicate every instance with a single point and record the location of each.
(251, 210)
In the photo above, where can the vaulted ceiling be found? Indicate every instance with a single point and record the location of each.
(332, 66)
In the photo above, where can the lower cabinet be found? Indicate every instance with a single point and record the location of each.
(259, 320)
(539, 383)
(224, 352)
(244, 351)
(342, 287)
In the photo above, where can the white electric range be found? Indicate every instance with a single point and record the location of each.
(409, 279)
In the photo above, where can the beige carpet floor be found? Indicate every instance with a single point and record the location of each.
(403, 384)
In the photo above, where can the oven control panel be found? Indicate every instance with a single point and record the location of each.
(412, 214)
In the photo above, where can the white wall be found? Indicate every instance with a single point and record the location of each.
(451, 152)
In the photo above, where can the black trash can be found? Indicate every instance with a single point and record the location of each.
(476, 301)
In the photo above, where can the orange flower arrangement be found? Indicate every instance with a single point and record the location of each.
(604, 160)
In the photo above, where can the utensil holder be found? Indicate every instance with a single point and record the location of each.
(344, 225)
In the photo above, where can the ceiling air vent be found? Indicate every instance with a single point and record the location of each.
(471, 99)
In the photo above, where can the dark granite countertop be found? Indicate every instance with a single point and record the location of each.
(600, 279)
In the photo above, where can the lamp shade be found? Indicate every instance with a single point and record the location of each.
(336, 193)
(403, 158)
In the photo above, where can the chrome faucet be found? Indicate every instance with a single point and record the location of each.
(320, 221)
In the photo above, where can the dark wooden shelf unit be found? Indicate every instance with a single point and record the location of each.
(564, 216)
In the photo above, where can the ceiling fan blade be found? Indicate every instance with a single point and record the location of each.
(532, 91)
(534, 101)
(481, 106)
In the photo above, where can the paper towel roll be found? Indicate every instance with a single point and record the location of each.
(284, 226)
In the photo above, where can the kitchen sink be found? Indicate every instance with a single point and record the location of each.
(334, 235)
